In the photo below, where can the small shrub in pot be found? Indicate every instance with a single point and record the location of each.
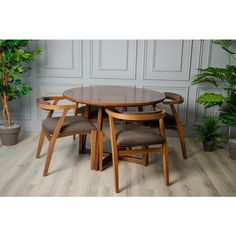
(209, 133)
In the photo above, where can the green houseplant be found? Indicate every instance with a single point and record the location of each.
(224, 80)
(209, 134)
(15, 59)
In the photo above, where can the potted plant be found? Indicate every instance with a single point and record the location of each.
(209, 134)
(232, 149)
(224, 80)
(15, 59)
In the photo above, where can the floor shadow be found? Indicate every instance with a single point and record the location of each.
(58, 170)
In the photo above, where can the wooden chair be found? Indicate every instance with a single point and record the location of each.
(91, 113)
(58, 127)
(137, 135)
(172, 121)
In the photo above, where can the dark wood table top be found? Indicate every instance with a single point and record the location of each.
(114, 96)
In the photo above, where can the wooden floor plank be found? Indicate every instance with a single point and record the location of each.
(202, 174)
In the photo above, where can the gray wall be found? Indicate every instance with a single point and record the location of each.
(162, 65)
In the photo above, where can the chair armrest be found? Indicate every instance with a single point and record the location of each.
(173, 98)
(43, 103)
(136, 116)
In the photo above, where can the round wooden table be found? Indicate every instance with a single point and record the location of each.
(112, 96)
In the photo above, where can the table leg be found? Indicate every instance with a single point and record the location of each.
(99, 139)
(82, 137)
(100, 120)
(87, 111)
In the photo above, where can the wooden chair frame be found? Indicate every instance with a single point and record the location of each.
(121, 153)
(173, 99)
(86, 111)
(82, 137)
(44, 104)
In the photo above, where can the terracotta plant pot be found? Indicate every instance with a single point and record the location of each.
(208, 145)
(232, 149)
(9, 135)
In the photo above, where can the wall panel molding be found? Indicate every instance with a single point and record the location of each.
(171, 65)
(123, 67)
(64, 59)
(119, 57)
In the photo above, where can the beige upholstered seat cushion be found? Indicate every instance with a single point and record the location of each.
(138, 135)
(71, 124)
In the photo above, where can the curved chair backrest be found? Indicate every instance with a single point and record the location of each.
(43, 103)
(137, 116)
(173, 98)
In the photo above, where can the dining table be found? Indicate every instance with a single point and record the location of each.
(111, 96)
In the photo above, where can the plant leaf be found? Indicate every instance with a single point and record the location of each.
(228, 119)
(210, 99)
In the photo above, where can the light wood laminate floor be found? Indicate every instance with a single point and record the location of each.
(203, 174)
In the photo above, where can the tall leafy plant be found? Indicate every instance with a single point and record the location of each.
(222, 79)
(15, 59)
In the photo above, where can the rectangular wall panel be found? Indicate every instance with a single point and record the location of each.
(60, 58)
(167, 59)
(113, 59)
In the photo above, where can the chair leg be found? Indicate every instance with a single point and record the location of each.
(116, 173)
(145, 157)
(49, 156)
(74, 136)
(181, 135)
(81, 141)
(93, 148)
(115, 153)
(84, 142)
(115, 157)
(40, 144)
(100, 155)
(165, 162)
